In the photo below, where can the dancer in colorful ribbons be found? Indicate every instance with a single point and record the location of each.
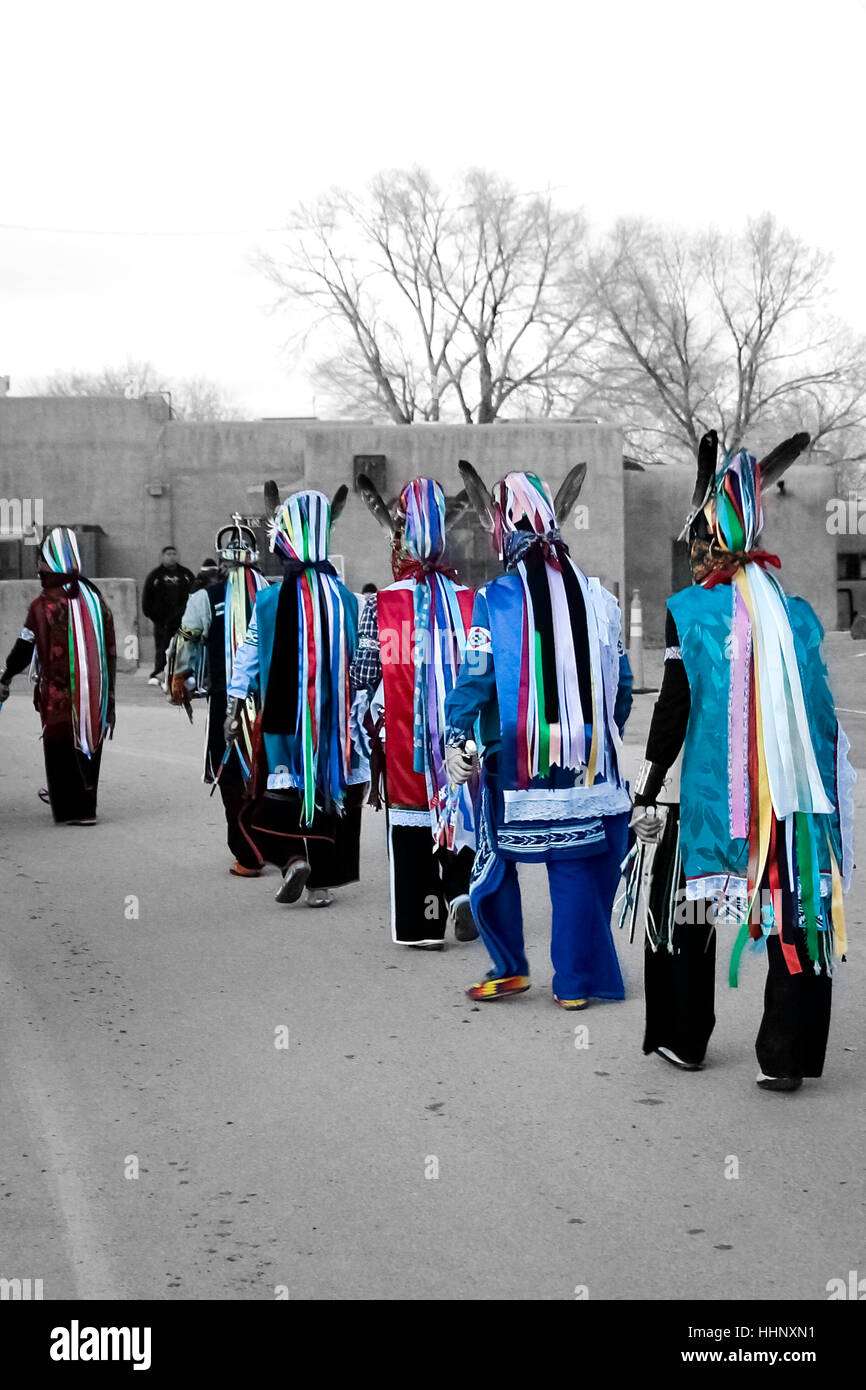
(309, 780)
(68, 636)
(761, 839)
(412, 642)
(214, 624)
(550, 686)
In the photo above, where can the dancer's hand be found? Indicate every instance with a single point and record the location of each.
(232, 726)
(460, 763)
(646, 823)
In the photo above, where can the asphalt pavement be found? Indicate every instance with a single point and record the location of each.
(208, 1095)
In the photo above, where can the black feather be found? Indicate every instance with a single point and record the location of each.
(780, 459)
(479, 494)
(708, 453)
(272, 497)
(338, 502)
(373, 499)
(568, 493)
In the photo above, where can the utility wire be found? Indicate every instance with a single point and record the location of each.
(110, 232)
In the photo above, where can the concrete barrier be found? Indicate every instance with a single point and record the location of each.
(121, 595)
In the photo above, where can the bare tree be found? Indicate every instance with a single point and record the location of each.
(436, 304)
(834, 409)
(192, 398)
(725, 332)
(200, 400)
(476, 302)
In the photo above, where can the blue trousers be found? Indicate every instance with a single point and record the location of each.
(582, 891)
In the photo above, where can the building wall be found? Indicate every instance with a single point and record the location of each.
(150, 481)
(435, 450)
(796, 530)
(849, 528)
(214, 470)
(88, 460)
(16, 596)
(656, 505)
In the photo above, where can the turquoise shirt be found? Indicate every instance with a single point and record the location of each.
(704, 620)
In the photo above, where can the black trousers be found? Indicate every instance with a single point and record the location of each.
(679, 987)
(331, 845)
(424, 882)
(72, 778)
(162, 635)
(232, 788)
(792, 1038)
(232, 785)
(680, 992)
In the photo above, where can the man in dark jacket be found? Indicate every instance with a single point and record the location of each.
(166, 590)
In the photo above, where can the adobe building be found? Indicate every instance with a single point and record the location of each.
(132, 479)
(847, 521)
(795, 528)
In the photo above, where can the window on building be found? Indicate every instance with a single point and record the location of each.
(11, 558)
(374, 466)
(849, 564)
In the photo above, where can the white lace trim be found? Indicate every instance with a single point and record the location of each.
(291, 781)
(27, 635)
(566, 803)
(673, 653)
(401, 817)
(283, 781)
(729, 886)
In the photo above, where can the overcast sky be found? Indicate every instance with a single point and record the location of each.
(148, 150)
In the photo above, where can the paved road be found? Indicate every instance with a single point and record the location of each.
(143, 993)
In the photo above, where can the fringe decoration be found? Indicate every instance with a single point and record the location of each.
(88, 660)
(299, 531)
(242, 585)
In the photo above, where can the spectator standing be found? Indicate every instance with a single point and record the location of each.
(166, 590)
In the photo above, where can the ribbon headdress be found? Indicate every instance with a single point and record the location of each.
(775, 786)
(88, 661)
(565, 704)
(417, 525)
(726, 515)
(236, 547)
(308, 694)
